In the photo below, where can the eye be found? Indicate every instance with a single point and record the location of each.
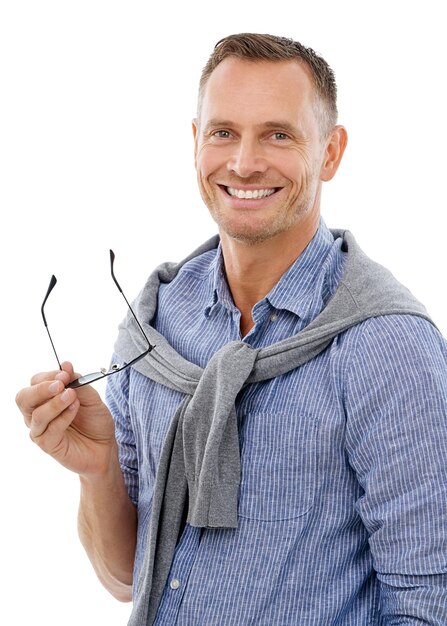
(221, 134)
(280, 136)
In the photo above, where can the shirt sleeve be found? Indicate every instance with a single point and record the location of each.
(117, 399)
(396, 407)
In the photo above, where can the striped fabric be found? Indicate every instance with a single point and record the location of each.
(343, 503)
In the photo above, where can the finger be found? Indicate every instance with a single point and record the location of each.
(44, 413)
(29, 398)
(66, 366)
(52, 439)
(65, 374)
(41, 376)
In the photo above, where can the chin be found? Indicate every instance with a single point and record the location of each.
(248, 234)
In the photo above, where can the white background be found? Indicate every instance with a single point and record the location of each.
(96, 153)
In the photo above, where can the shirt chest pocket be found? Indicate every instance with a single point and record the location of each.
(279, 466)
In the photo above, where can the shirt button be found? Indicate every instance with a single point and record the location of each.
(174, 584)
(273, 317)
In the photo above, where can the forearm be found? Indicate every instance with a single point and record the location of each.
(107, 525)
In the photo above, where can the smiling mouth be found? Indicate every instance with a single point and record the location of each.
(249, 194)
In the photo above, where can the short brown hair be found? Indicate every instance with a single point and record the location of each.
(255, 47)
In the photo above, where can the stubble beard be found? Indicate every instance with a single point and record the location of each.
(246, 233)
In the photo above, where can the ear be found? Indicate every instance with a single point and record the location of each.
(195, 132)
(335, 147)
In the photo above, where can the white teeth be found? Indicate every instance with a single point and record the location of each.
(256, 193)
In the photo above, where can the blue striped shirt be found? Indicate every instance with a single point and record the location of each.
(342, 504)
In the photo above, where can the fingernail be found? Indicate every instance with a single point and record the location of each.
(54, 387)
(66, 396)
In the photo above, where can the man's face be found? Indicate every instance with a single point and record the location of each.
(258, 148)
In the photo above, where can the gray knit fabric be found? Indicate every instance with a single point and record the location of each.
(200, 461)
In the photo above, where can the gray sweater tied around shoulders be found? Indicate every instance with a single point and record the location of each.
(200, 460)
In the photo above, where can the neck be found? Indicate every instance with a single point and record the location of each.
(253, 269)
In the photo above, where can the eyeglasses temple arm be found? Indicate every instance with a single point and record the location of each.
(112, 259)
(53, 282)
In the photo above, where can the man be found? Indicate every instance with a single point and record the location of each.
(279, 457)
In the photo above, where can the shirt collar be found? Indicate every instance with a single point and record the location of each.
(220, 293)
(305, 287)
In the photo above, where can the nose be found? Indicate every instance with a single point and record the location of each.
(247, 159)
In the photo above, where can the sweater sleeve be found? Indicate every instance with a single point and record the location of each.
(396, 407)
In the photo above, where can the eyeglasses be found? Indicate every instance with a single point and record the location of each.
(115, 367)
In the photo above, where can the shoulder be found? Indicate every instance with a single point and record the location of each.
(397, 335)
(392, 351)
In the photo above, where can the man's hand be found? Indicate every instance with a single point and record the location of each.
(73, 426)
(76, 428)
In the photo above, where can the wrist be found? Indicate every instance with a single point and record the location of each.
(107, 475)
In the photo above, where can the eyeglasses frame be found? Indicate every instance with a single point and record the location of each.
(114, 368)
